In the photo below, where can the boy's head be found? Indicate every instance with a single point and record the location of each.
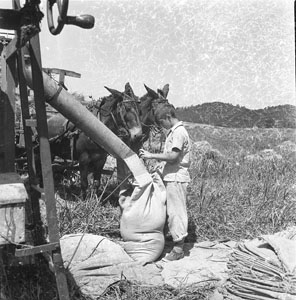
(165, 115)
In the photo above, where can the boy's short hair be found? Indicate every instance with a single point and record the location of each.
(163, 110)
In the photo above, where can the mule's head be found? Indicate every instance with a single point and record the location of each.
(149, 104)
(127, 113)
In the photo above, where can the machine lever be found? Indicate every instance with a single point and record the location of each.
(83, 21)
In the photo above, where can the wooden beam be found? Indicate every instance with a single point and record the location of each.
(51, 211)
(7, 113)
(42, 130)
(59, 71)
(11, 48)
(36, 249)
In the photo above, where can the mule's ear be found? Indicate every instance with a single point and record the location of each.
(160, 92)
(114, 92)
(127, 97)
(165, 90)
(151, 93)
(129, 91)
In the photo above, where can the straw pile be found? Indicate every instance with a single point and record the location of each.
(263, 269)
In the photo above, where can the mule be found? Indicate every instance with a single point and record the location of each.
(118, 111)
(148, 105)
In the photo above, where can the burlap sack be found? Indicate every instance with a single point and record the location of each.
(142, 220)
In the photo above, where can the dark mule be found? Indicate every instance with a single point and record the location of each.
(148, 105)
(118, 111)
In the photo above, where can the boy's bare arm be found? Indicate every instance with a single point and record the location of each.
(169, 157)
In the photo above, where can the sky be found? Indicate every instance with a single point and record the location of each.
(234, 51)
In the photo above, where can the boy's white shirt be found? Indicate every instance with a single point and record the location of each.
(177, 171)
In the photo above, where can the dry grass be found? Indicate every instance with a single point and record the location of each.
(241, 199)
(91, 216)
(230, 197)
(126, 290)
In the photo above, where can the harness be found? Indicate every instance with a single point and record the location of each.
(69, 132)
(122, 109)
(117, 116)
(154, 128)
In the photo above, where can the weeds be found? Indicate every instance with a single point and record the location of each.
(238, 198)
(126, 290)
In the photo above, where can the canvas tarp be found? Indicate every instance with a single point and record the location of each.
(262, 268)
(203, 262)
(99, 262)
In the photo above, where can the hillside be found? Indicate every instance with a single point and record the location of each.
(228, 115)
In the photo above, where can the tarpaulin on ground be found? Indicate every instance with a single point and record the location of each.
(263, 268)
(95, 262)
(203, 262)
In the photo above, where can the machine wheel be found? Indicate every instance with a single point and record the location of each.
(62, 16)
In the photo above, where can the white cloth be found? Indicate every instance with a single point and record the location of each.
(99, 262)
(203, 262)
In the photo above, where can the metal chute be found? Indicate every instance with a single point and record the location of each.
(74, 111)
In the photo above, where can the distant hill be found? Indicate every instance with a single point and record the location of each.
(228, 115)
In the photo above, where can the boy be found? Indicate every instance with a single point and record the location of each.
(175, 175)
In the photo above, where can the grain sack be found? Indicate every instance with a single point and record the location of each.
(143, 218)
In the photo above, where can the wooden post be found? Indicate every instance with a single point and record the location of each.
(7, 105)
(45, 156)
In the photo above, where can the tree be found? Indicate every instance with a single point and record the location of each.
(269, 123)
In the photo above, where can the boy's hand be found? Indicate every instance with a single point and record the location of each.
(144, 154)
(158, 168)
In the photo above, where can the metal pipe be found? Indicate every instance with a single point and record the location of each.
(70, 108)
